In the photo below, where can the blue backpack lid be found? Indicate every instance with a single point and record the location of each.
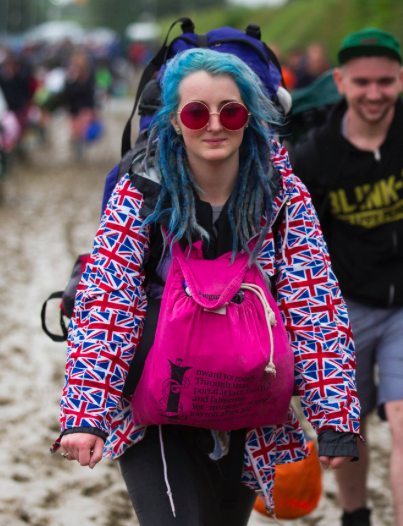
(246, 45)
(235, 42)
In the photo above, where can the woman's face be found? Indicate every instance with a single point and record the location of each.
(213, 143)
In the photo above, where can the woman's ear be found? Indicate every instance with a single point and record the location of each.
(174, 120)
(175, 124)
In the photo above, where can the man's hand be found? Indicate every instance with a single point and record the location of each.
(87, 449)
(334, 462)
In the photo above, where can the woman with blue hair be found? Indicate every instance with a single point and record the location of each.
(211, 174)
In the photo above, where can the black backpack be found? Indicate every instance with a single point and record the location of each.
(311, 106)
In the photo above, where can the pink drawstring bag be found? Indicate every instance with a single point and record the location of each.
(221, 358)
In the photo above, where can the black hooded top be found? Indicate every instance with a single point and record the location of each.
(359, 198)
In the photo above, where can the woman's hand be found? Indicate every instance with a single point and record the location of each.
(334, 462)
(87, 449)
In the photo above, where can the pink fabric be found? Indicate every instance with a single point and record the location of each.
(10, 131)
(207, 369)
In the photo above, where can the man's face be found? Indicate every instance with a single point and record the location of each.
(371, 86)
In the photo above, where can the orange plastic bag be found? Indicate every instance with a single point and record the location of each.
(297, 489)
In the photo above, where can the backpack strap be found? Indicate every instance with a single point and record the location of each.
(156, 247)
(52, 336)
(277, 222)
(145, 344)
(152, 314)
(275, 228)
(253, 30)
(202, 41)
(154, 66)
(274, 59)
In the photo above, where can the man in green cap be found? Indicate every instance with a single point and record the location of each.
(353, 168)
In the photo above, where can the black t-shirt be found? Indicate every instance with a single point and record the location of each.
(359, 197)
(79, 95)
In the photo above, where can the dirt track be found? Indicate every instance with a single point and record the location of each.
(49, 215)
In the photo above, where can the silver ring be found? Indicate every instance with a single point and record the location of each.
(65, 455)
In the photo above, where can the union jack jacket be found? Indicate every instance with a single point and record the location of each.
(110, 308)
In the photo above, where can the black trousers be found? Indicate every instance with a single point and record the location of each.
(196, 481)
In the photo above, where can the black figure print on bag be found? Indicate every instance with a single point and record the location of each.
(171, 391)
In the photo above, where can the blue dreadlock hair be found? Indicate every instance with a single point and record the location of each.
(253, 192)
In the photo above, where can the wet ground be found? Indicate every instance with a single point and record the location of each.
(49, 214)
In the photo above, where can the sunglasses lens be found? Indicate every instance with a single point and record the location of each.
(234, 116)
(195, 115)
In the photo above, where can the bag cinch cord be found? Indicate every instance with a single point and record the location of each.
(270, 320)
(169, 492)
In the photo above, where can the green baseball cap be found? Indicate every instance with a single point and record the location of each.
(369, 43)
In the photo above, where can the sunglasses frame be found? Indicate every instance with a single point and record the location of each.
(215, 113)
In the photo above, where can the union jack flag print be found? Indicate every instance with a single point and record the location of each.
(111, 305)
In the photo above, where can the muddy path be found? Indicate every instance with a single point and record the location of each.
(49, 214)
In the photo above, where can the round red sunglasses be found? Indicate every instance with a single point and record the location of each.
(195, 115)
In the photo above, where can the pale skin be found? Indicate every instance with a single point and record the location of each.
(213, 152)
(371, 86)
(213, 156)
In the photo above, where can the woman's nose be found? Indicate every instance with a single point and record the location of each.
(214, 123)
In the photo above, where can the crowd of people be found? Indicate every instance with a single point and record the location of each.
(302, 67)
(40, 78)
(37, 79)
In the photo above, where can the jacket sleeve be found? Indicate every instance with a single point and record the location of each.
(109, 312)
(314, 313)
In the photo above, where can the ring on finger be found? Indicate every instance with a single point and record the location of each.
(65, 455)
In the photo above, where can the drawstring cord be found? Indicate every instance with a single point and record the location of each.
(270, 320)
(169, 492)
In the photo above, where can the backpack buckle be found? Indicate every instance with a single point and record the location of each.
(187, 25)
(253, 30)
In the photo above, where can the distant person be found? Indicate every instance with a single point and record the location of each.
(289, 77)
(137, 53)
(79, 97)
(10, 131)
(353, 168)
(16, 84)
(296, 60)
(315, 64)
